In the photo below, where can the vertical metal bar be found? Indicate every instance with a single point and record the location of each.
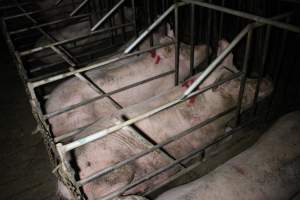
(123, 21)
(221, 21)
(150, 20)
(277, 73)
(192, 39)
(208, 34)
(244, 76)
(134, 18)
(262, 68)
(177, 44)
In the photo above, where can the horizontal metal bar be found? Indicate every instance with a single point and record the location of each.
(47, 24)
(143, 153)
(108, 15)
(23, 14)
(173, 163)
(96, 65)
(69, 108)
(151, 27)
(37, 49)
(246, 15)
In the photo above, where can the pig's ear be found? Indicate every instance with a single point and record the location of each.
(228, 61)
(170, 31)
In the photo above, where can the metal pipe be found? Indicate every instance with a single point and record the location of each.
(163, 169)
(244, 76)
(96, 65)
(192, 39)
(216, 62)
(151, 27)
(256, 18)
(76, 10)
(177, 43)
(262, 68)
(108, 15)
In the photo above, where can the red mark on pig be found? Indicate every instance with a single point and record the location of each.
(157, 59)
(187, 84)
(156, 56)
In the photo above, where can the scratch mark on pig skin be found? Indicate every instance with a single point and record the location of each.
(239, 170)
(157, 59)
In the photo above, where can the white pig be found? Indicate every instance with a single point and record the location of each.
(124, 73)
(125, 143)
(269, 170)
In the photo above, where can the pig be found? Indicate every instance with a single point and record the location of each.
(269, 170)
(125, 143)
(124, 73)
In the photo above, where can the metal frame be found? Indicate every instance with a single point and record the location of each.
(58, 150)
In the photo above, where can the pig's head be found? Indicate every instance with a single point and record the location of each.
(168, 53)
(230, 90)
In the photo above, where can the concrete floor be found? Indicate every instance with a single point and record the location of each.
(25, 169)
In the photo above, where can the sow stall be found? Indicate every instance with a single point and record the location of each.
(21, 25)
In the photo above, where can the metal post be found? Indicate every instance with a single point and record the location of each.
(262, 68)
(192, 39)
(177, 43)
(244, 75)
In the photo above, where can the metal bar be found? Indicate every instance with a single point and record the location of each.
(76, 10)
(164, 143)
(47, 24)
(262, 68)
(216, 62)
(256, 18)
(69, 108)
(35, 50)
(169, 166)
(33, 12)
(221, 21)
(244, 76)
(192, 39)
(151, 27)
(177, 43)
(134, 18)
(108, 15)
(96, 65)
